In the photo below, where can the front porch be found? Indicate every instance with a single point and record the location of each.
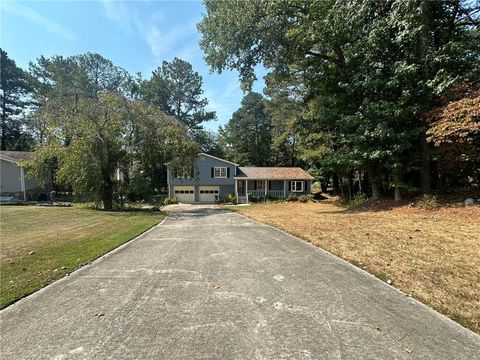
(248, 189)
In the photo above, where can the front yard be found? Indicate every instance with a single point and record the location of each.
(432, 255)
(42, 244)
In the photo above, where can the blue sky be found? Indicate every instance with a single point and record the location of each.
(137, 35)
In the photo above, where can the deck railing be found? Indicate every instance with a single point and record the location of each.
(261, 193)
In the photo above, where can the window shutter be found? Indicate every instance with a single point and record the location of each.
(228, 172)
(289, 186)
(212, 174)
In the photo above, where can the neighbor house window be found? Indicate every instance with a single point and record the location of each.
(296, 186)
(220, 172)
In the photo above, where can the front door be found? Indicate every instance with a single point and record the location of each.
(241, 187)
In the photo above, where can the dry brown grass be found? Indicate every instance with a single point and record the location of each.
(432, 255)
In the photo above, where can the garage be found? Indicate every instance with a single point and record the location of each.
(184, 194)
(209, 193)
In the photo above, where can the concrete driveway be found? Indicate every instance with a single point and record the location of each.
(210, 284)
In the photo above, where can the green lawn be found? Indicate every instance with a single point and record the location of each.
(39, 245)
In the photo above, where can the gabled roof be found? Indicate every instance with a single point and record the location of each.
(15, 156)
(273, 173)
(211, 156)
(217, 158)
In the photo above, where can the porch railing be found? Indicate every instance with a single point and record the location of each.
(261, 193)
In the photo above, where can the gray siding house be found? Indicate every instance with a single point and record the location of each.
(211, 179)
(14, 181)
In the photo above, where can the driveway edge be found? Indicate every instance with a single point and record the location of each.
(442, 317)
(85, 267)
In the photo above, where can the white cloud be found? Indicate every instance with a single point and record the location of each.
(118, 12)
(164, 44)
(224, 101)
(34, 17)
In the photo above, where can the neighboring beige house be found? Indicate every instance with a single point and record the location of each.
(13, 179)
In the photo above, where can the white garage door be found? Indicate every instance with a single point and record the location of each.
(184, 194)
(209, 193)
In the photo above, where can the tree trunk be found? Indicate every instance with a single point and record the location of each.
(360, 188)
(324, 183)
(293, 151)
(397, 196)
(107, 194)
(340, 180)
(425, 187)
(336, 185)
(350, 185)
(372, 176)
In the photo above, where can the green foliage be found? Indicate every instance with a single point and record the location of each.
(247, 138)
(356, 75)
(92, 130)
(357, 200)
(230, 198)
(177, 90)
(427, 202)
(170, 201)
(207, 142)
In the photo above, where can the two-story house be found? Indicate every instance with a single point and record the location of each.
(211, 179)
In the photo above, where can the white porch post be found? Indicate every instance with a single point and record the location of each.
(236, 190)
(266, 188)
(246, 189)
(22, 183)
(285, 184)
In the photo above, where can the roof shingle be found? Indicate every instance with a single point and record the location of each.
(15, 156)
(273, 173)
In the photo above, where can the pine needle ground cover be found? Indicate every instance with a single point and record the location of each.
(433, 255)
(39, 245)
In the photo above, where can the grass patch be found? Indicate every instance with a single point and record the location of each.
(429, 254)
(40, 244)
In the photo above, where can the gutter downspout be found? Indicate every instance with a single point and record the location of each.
(22, 183)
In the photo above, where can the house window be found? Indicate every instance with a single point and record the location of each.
(220, 172)
(296, 186)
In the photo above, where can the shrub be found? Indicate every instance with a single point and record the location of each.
(253, 198)
(169, 201)
(271, 198)
(303, 198)
(230, 198)
(357, 200)
(292, 198)
(427, 202)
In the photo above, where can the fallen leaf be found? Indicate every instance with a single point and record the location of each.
(408, 350)
(215, 286)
